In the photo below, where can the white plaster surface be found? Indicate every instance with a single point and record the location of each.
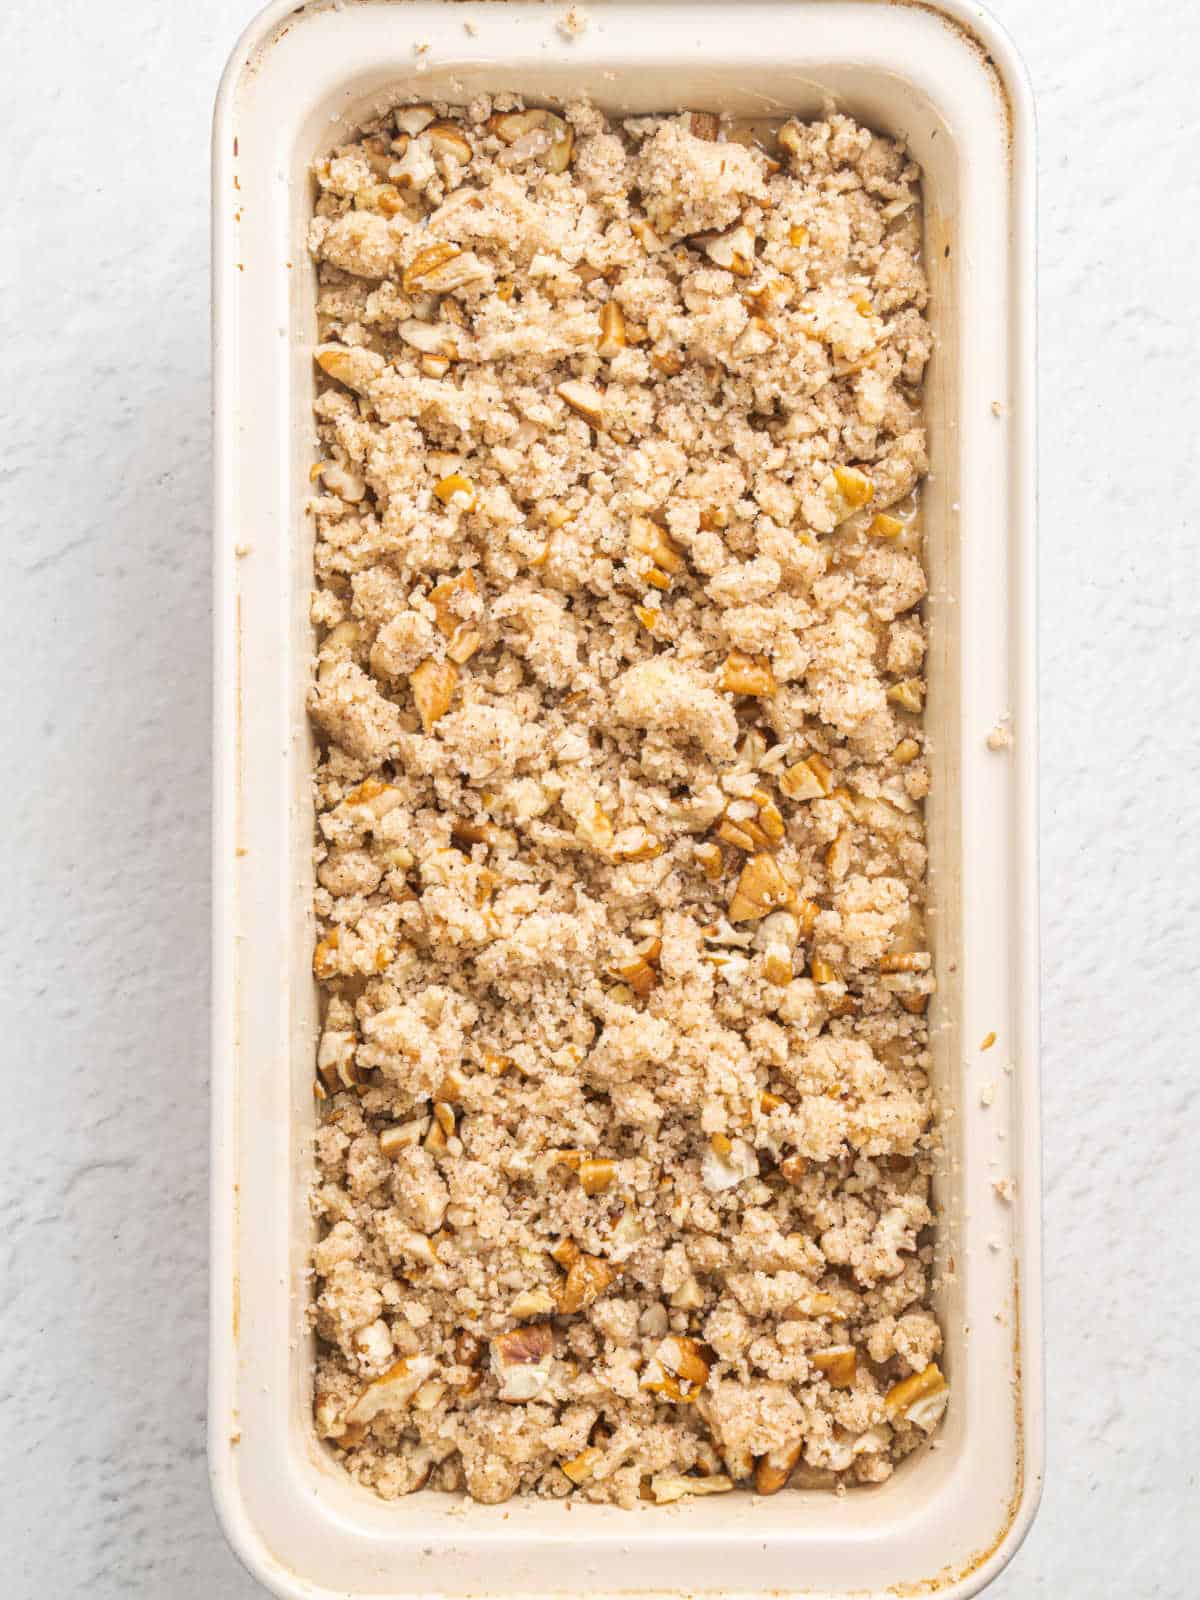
(105, 553)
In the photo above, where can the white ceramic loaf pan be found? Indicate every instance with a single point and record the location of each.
(943, 77)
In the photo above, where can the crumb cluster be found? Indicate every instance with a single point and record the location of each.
(626, 1129)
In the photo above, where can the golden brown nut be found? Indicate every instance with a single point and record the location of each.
(566, 1253)
(648, 539)
(774, 1469)
(433, 684)
(587, 1279)
(712, 863)
(448, 139)
(456, 490)
(677, 1371)
(839, 1364)
(908, 695)
(514, 126)
(743, 674)
(810, 779)
(392, 1390)
(761, 889)
(522, 1361)
(920, 1398)
(637, 973)
(426, 262)
(581, 1467)
(596, 1176)
(612, 339)
(885, 527)
(847, 490)
(583, 398)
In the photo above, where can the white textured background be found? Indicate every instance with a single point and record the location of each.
(105, 554)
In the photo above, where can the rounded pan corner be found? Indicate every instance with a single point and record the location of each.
(243, 1538)
(984, 33)
(252, 38)
(1013, 1536)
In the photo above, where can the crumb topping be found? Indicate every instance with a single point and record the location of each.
(626, 1132)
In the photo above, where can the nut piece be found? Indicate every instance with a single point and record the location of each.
(837, 857)
(325, 957)
(336, 1066)
(839, 1364)
(761, 889)
(755, 339)
(426, 262)
(464, 645)
(401, 1135)
(637, 844)
(906, 961)
(638, 974)
(791, 138)
(433, 685)
(774, 1469)
(648, 539)
(777, 937)
(532, 1303)
(847, 490)
(596, 1176)
(612, 338)
(908, 695)
(906, 752)
(415, 167)
(413, 119)
(355, 368)
(430, 338)
(743, 674)
(770, 819)
(723, 1168)
(809, 779)
(677, 1370)
(793, 1169)
(689, 1296)
(592, 825)
(922, 1398)
(443, 595)
(522, 1360)
(733, 250)
(448, 139)
(666, 1487)
(417, 1247)
(712, 862)
(581, 1467)
(584, 399)
(645, 236)
(392, 1389)
(885, 527)
(532, 131)
(456, 490)
(587, 1279)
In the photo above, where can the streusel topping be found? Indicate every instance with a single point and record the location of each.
(626, 1126)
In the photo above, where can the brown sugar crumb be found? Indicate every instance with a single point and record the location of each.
(573, 22)
(625, 1126)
